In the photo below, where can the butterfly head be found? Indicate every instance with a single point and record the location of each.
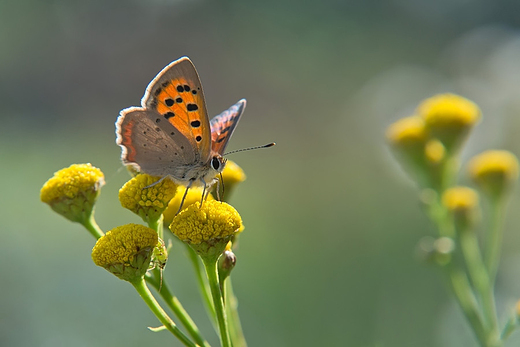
(217, 164)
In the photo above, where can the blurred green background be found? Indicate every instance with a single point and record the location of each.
(328, 254)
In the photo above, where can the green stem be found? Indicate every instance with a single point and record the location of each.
(510, 327)
(91, 225)
(157, 225)
(462, 289)
(175, 305)
(235, 328)
(210, 263)
(203, 285)
(480, 279)
(494, 238)
(148, 298)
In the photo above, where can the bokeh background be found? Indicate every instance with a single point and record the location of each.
(332, 223)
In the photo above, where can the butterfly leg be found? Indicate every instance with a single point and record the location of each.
(184, 196)
(153, 184)
(204, 195)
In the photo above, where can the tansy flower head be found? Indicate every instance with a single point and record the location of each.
(148, 203)
(408, 132)
(207, 229)
(194, 195)
(494, 171)
(449, 118)
(126, 251)
(463, 203)
(72, 192)
(419, 155)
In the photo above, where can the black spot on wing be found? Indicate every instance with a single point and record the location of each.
(186, 88)
(180, 88)
(192, 107)
(195, 124)
(169, 115)
(169, 102)
(198, 138)
(179, 100)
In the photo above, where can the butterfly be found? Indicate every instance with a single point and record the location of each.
(171, 135)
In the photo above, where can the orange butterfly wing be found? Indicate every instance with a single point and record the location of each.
(176, 93)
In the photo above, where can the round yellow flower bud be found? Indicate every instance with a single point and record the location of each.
(494, 171)
(409, 132)
(463, 203)
(449, 118)
(126, 251)
(207, 229)
(72, 192)
(146, 199)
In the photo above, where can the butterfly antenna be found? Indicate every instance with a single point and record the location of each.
(251, 148)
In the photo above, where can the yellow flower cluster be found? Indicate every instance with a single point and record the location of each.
(494, 171)
(212, 220)
(146, 198)
(425, 141)
(192, 196)
(73, 191)
(126, 251)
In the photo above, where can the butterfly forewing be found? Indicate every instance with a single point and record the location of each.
(176, 94)
(223, 125)
(151, 144)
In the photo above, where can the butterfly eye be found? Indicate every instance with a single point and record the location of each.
(215, 163)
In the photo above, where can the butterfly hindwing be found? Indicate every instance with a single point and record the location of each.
(176, 94)
(151, 144)
(223, 125)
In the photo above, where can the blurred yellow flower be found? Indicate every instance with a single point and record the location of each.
(462, 203)
(126, 251)
(434, 151)
(148, 203)
(72, 192)
(460, 198)
(408, 132)
(449, 118)
(494, 171)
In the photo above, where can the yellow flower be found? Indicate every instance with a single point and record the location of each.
(419, 155)
(126, 251)
(148, 203)
(494, 171)
(449, 118)
(463, 203)
(409, 132)
(434, 151)
(72, 192)
(207, 229)
(194, 195)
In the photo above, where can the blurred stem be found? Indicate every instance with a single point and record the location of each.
(210, 264)
(176, 307)
(91, 225)
(235, 328)
(462, 289)
(480, 280)
(510, 327)
(154, 306)
(494, 238)
(203, 285)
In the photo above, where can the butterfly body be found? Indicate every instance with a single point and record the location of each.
(171, 135)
